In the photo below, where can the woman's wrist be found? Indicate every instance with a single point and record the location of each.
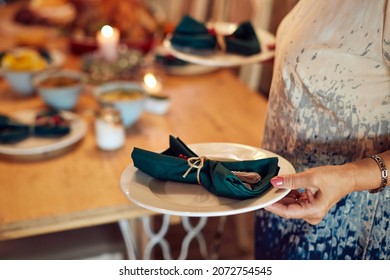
(383, 171)
(365, 174)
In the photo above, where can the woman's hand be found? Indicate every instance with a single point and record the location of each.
(323, 188)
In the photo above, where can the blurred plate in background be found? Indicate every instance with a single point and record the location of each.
(39, 146)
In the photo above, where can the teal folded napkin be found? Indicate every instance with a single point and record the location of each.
(243, 41)
(194, 35)
(48, 124)
(170, 60)
(12, 131)
(180, 164)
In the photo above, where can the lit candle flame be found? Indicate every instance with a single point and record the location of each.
(107, 31)
(150, 80)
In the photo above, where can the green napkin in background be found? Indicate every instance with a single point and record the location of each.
(53, 125)
(193, 34)
(190, 33)
(243, 41)
(169, 60)
(12, 131)
(215, 176)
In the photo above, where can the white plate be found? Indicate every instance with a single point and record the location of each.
(223, 59)
(187, 69)
(190, 69)
(193, 200)
(38, 145)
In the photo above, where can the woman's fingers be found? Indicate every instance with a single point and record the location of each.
(298, 205)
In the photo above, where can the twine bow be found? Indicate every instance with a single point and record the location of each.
(197, 163)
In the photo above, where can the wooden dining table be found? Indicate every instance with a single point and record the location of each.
(80, 186)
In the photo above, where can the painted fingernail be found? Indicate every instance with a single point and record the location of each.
(277, 181)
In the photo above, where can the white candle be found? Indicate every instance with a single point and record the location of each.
(109, 129)
(108, 39)
(151, 83)
(109, 136)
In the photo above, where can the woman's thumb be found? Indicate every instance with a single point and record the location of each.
(291, 181)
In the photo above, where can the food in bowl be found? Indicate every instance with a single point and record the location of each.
(127, 97)
(60, 89)
(23, 60)
(120, 94)
(59, 81)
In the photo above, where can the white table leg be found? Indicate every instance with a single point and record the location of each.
(193, 233)
(128, 237)
(158, 238)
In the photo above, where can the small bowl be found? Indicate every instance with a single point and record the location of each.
(127, 97)
(157, 104)
(19, 72)
(20, 77)
(20, 82)
(60, 89)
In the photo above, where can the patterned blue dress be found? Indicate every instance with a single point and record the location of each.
(330, 104)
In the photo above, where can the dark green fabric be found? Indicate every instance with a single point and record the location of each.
(197, 42)
(12, 131)
(191, 34)
(215, 176)
(243, 41)
(169, 60)
(178, 148)
(190, 26)
(51, 132)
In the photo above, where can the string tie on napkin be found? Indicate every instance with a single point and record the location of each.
(197, 163)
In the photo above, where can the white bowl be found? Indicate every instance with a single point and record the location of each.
(21, 80)
(62, 97)
(130, 109)
(157, 104)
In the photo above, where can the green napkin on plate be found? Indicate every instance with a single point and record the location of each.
(12, 131)
(243, 41)
(48, 124)
(169, 60)
(191, 35)
(178, 163)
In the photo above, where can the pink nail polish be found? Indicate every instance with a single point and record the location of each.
(277, 181)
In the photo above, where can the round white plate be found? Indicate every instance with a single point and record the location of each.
(193, 200)
(190, 69)
(223, 59)
(184, 70)
(39, 145)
